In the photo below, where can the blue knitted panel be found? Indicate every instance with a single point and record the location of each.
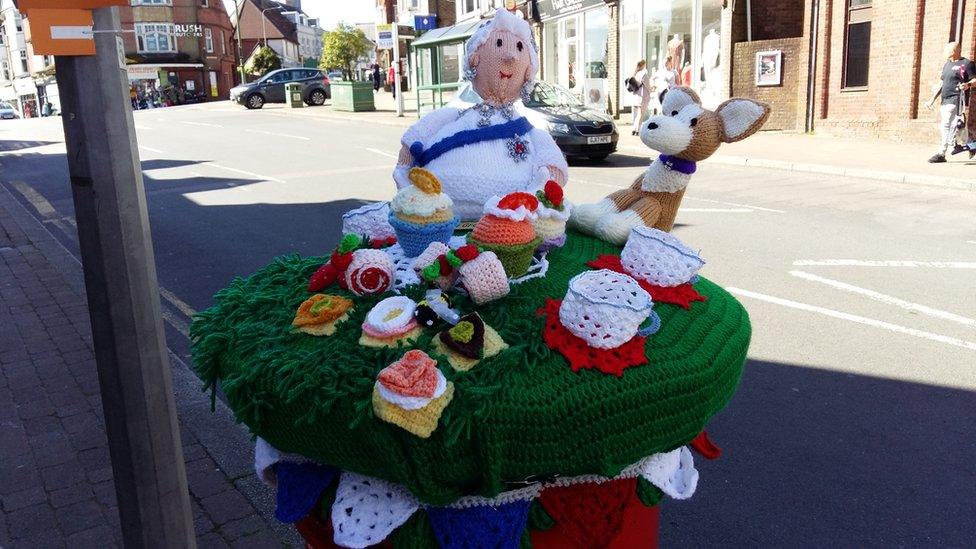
(299, 487)
(414, 238)
(508, 130)
(480, 527)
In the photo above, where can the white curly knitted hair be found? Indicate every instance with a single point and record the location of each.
(503, 20)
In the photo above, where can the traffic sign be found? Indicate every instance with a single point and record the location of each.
(60, 32)
(24, 5)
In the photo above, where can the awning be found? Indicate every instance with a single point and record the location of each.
(454, 34)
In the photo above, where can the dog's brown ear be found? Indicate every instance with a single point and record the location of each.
(741, 118)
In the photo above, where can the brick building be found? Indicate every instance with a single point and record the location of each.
(284, 27)
(184, 43)
(854, 68)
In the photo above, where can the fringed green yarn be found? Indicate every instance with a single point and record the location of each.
(647, 493)
(519, 414)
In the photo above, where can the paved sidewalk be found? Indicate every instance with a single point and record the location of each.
(56, 487)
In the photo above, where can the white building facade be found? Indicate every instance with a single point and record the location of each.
(26, 80)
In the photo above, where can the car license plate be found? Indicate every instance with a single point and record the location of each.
(598, 139)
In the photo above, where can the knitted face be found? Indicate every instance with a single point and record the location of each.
(503, 66)
(686, 130)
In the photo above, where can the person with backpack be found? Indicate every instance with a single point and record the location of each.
(958, 75)
(639, 95)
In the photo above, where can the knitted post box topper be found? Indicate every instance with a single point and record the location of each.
(685, 134)
(489, 149)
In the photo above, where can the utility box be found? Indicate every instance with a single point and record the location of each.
(293, 95)
(352, 96)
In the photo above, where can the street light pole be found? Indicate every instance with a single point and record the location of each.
(238, 4)
(397, 79)
(123, 294)
(264, 19)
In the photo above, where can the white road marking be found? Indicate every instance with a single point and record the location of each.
(204, 124)
(44, 208)
(244, 172)
(971, 241)
(150, 149)
(144, 128)
(891, 300)
(177, 302)
(750, 206)
(716, 210)
(889, 263)
(382, 153)
(279, 134)
(855, 318)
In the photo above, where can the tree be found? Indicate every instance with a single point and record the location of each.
(262, 62)
(343, 47)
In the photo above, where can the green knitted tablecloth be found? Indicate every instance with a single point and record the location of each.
(519, 414)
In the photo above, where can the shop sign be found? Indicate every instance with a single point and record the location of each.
(550, 9)
(184, 31)
(384, 37)
(142, 73)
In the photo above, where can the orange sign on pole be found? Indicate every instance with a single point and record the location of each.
(60, 32)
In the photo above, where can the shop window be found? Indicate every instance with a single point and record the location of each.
(857, 44)
(208, 40)
(155, 38)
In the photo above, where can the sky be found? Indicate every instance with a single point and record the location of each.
(332, 11)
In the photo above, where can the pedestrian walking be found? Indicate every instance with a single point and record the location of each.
(958, 75)
(391, 78)
(639, 86)
(376, 77)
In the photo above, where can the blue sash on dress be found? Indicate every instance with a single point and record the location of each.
(421, 157)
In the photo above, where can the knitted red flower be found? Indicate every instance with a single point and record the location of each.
(414, 375)
(467, 252)
(682, 295)
(554, 193)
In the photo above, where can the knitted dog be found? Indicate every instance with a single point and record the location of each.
(686, 134)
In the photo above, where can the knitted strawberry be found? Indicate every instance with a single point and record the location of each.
(554, 194)
(513, 201)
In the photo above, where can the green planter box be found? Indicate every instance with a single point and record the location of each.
(352, 96)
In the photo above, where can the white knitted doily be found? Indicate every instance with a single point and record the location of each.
(404, 274)
(367, 510)
(660, 258)
(371, 220)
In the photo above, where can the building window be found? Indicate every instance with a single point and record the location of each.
(23, 61)
(208, 39)
(18, 22)
(152, 2)
(857, 46)
(223, 43)
(4, 70)
(204, 3)
(155, 38)
(468, 6)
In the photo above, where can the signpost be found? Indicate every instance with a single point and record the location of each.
(120, 273)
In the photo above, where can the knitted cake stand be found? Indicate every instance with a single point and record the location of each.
(521, 422)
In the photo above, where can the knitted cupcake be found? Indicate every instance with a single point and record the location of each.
(553, 212)
(422, 214)
(506, 229)
(412, 393)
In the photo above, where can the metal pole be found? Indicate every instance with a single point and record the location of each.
(397, 79)
(238, 4)
(123, 294)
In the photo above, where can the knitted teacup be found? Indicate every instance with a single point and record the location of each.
(606, 309)
(659, 258)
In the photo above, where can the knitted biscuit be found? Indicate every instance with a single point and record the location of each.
(392, 342)
(421, 422)
(484, 278)
(493, 345)
(326, 329)
(319, 314)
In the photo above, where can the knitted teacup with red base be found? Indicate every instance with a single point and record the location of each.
(506, 229)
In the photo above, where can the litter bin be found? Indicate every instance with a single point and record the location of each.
(293, 95)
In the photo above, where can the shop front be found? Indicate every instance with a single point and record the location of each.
(575, 51)
(682, 36)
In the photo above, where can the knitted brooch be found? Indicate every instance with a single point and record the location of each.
(358, 264)
(412, 393)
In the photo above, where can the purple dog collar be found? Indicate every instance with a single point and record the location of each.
(686, 167)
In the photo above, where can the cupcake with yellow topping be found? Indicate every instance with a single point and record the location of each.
(421, 213)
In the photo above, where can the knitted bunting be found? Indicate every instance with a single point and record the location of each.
(299, 487)
(580, 355)
(590, 514)
(367, 509)
(682, 295)
(483, 527)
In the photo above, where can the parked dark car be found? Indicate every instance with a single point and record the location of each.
(578, 130)
(270, 88)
